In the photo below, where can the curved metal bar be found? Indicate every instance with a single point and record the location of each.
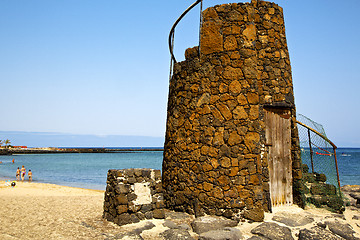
(171, 35)
(322, 136)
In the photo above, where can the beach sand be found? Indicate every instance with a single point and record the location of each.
(47, 211)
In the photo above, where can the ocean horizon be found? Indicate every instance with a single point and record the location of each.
(61, 140)
(89, 170)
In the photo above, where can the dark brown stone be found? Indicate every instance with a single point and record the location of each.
(191, 53)
(211, 38)
(320, 177)
(240, 113)
(323, 189)
(271, 230)
(122, 209)
(122, 199)
(231, 73)
(123, 219)
(122, 189)
(159, 213)
(256, 214)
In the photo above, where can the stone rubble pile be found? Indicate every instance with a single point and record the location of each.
(319, 193)
(283, 225)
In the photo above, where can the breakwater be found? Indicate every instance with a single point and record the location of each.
(11, 151)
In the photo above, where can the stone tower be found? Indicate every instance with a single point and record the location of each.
(231, 144)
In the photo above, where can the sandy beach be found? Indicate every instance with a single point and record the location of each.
(47, 211)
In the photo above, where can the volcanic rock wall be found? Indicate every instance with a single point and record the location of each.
(215, 154)
(133, 195)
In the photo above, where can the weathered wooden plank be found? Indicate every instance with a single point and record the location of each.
(278, 141)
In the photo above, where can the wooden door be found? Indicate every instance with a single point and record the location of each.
(278, 141)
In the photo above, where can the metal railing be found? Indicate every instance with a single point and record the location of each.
(172, 32)
(314, 139)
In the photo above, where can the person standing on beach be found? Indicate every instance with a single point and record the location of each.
(18, 174)
(23, 172)
(30, 175)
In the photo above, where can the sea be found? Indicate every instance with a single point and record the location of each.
(89, 170)
(83, 170)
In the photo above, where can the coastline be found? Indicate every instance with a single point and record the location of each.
(84, 186)
(88, 170)
(45, 189)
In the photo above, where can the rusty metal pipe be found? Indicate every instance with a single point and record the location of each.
(337, 168)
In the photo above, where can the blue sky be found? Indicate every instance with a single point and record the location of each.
(102, 67)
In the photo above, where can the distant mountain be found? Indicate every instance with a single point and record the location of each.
(49, 139)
